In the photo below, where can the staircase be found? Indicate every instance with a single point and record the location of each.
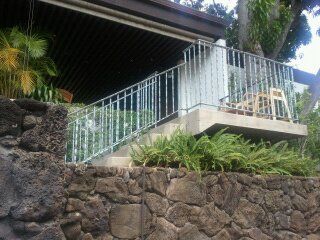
(198, 95)
(122, 157)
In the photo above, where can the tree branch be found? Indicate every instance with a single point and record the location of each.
(296, 9)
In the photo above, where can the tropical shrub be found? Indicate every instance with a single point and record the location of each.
(310, 145)
(23, 62)
(46, 93)
(223, 152)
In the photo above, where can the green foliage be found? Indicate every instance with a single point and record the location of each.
(260, 13)
(23, 62)
(196, 4)
(266, 30)
(299, 35)
(263, 30)
(45, 93)
(224, 152)
(310, 145)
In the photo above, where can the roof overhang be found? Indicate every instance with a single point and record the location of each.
(159, 16)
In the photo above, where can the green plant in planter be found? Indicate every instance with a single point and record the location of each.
(46, 93)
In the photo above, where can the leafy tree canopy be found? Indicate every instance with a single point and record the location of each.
(274, 28)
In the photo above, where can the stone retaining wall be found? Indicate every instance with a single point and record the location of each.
(32, 149)
(107, 203)
(41, 198)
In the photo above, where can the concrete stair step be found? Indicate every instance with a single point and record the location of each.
(146, 139)
(122, 157)
(168, 128)
(125, 151)
(115, 162)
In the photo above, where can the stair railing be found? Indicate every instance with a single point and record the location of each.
(103, 126)
(212, 76)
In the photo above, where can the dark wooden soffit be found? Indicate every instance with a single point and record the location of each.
(170, 13)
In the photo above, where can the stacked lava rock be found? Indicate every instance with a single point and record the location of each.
(32, 149)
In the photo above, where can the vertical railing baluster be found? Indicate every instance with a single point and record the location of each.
(76, 138)
(246, 83)
(80, 142)
(101, 134)
(73, 141)
(138, 107)
(131, 110)
(262, 88)
(212, 74)
(240, 80)
(166, 82)
(160, 114)
(278, 113)
(186, 81)
(217, 73)
(172, 89)
(197, 97)
(178, 90)
(152, 101)
(199, 72)
(253, 98)
(190, 93)
(205, 72)
(235, 80)
(267, 86)
(125, 114)
(111, 125)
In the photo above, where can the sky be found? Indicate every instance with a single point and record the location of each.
(308, 57)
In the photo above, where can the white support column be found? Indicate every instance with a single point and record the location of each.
(204, 80)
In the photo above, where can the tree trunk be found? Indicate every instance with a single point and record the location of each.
(296, 9)
(315, 95)
(244, 24)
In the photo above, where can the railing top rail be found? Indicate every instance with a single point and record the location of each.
(200, 41)
(156, 74)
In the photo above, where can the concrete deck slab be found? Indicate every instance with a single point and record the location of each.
(209, 121)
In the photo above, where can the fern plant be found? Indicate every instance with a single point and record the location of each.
(224, 152)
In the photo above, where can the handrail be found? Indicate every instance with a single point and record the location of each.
(199, 41)
(211, 76)
(105, 125)
(127, 88)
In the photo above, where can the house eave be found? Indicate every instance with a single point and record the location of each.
(161, 17)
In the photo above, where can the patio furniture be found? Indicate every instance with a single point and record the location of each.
(260, 104)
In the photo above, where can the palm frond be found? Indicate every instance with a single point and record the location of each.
(37, 47)
(9, 58)
(28, 80)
